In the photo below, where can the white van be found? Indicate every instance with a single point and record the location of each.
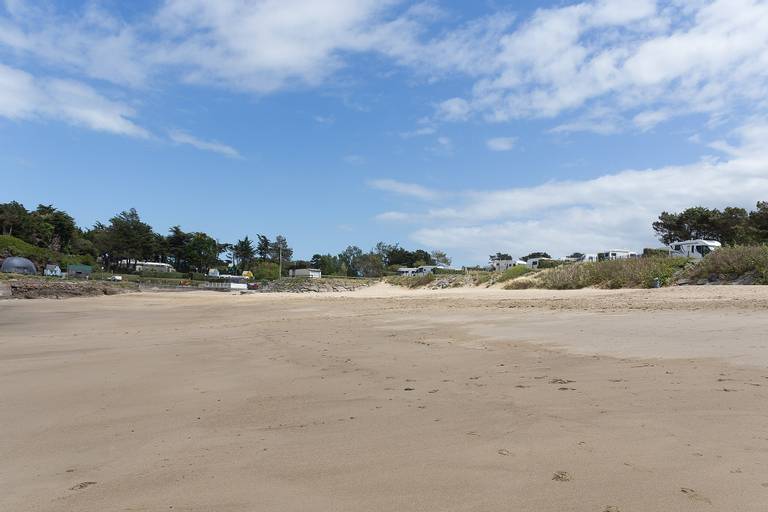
(696, 249)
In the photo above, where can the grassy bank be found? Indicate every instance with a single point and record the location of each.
(12, 246)
(411, 281)
(733, 263)
(632, 273)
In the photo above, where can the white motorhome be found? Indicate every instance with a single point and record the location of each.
(616, 254)
(696, 249)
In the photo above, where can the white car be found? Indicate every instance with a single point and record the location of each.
(116, 278)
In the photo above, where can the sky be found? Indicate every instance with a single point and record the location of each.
(469, 127)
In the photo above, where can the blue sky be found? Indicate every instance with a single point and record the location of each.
(472, 127)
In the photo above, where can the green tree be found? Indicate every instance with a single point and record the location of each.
(203, 252)
(131, 239)
(349, 258)
(441, 257)
(60, 227)
(178, 241)
(243, 253)
(326, 263)
(538, 254)
(263, 247)
(13, 218)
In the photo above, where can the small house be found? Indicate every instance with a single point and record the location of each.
(305, 272)
(79, 271)
(52, 270)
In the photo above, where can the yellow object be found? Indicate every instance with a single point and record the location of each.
(248, 274)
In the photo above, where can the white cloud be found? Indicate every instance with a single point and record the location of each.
(419, 132)
(92, 42)
(23, 96)
(632, 57)
(405, 189)
(614, 210)
(650, 118)
(454, 109)
(501, 143)
(180, 137)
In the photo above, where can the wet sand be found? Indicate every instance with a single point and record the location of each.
(387, 400)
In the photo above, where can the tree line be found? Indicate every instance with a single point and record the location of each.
(126, 239)
(730, 226)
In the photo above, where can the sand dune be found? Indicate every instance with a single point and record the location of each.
(387, 400)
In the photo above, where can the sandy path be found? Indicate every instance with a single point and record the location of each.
(387, 400)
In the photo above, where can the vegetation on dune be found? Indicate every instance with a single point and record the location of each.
(730, 263)
(411, 281)
(627, 273)
(513, 273)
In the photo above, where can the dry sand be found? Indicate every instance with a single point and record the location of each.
(387, 400)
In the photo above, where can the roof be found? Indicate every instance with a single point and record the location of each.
(79, 268)
(18, 265)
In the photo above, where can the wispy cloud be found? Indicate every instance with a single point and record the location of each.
(501, 143)
(405, 189)
(24, 96)
(181, 137)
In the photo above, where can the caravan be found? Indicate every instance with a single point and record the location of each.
(696, 249)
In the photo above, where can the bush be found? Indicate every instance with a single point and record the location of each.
(549, 264)
(412, 281)
(265, 270)
(733, 262)
(449, 271)
(629, 273)
(513, 273)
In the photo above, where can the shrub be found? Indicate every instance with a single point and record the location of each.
(265, 270)
(513, 273)
(629, 273)
(447, 271)
(549, 264)
(412, 281)
(481, 277)
(733, 262)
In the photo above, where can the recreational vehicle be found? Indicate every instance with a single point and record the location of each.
(616, 254)
(696, 249)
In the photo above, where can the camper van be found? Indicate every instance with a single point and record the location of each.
(696, 249)
(616, 254)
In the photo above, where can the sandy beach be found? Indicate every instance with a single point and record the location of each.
(387, 400)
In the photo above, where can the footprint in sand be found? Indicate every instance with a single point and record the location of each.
(504, 451)
(560, 381)
(691, 493)
(611, 508)
(81, 485)
(561, 476)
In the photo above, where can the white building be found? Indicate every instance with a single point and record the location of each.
(696, 249)
(150, 266)
(305, 272)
